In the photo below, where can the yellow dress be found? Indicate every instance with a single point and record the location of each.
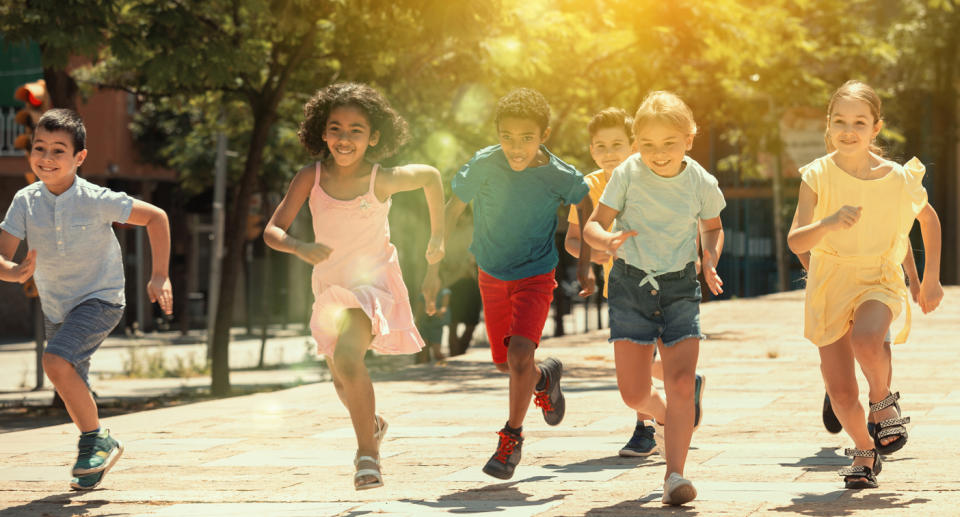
(597, 181)
(849, 267)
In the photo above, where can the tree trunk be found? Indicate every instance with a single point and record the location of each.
(61, 88)
(263, 116)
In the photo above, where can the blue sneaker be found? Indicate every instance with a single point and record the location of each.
(97, 453)
(641, 444)
(699, 386)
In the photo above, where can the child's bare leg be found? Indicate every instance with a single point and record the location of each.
(839, 373)
(679, 371)
(633, 379)
(656, 369)
(524, 375)
(870, 323)
(74, 392)
(356, 389)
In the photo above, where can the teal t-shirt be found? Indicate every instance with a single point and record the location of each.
(663, 211)
(515, 213)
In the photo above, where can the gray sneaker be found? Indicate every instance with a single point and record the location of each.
(550, 397)
(503, 462)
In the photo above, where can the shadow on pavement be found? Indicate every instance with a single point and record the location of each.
(649, 505)
(601, 464)
(825, 460)
(59, 505)
(493, 498)
(813, 504)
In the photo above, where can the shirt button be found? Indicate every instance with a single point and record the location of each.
(653, 292)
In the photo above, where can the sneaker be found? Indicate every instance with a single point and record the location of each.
(677, 490)
(97, 453)
(550, 398)
(503, 462)
(88, 482)
(699, 385)
(641, 444)
(830, 418)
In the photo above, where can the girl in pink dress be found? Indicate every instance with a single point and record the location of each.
(360, 299)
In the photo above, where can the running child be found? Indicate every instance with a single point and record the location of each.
(516, 188)
(854, 214)
(610, 135)
(360, 299)
(659, 198)
(75, 260)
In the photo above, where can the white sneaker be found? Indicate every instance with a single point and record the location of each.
(677, 490)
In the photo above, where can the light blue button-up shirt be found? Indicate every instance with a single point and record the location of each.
(78, 255)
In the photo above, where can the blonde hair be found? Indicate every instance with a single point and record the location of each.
(858, 91)
(665, 107)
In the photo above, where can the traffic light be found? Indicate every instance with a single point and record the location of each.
(34, 95)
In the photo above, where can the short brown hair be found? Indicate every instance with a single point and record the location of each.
(611, 117)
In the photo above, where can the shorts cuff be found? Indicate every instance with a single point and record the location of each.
(635, 341)
(700, 337)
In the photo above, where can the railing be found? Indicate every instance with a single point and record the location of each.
(9, 130)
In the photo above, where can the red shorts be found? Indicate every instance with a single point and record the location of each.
(515, 308)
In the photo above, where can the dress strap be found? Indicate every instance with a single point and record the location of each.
(316, 176)
(373, 177)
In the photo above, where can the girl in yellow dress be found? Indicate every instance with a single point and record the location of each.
(854, 216)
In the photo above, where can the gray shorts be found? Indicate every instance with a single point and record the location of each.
(80, 334)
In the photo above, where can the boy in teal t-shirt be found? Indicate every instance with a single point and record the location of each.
(516, 188)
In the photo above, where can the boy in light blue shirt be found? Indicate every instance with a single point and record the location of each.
(658, 197)
(76, 263)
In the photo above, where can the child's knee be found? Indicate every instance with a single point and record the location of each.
(503, 367)
(846, 395)
(55, 366)
(868, 341)
(520, 353)
(636, 398)
(681, 384)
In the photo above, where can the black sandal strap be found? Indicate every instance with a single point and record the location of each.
(856, 471)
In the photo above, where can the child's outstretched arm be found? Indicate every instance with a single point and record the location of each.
(412, 177)
(588, 283)
(806, 233)
(10, 271)
(595, 234)
(158, 232)
(931, 292)
(711, 237)
(275, 232)
(910, 268)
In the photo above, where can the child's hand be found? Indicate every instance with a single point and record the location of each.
(24, 270)
(617, 239)
(588, 282)
(844, 218)
(430, 287)
(159, 290)
(930, 295)
(312, 252)
(714, 283)
(435, 250)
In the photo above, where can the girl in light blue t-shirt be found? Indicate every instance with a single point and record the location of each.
(657, 198)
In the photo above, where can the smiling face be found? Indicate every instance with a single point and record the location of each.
(348, 135)
(609, 147)
(53, 161)
(662, 147)
(520, 139)
(852, 126)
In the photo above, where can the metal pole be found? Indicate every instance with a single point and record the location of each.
(216, 252)
(783, 280)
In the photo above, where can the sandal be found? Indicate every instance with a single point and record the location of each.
(861, 476)
(381, 429)
(371, 472)
(890, 427)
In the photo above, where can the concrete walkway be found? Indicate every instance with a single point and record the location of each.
(761, 450)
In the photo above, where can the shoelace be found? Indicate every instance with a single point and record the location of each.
(86, 447)
(505, 446)
(541, 399)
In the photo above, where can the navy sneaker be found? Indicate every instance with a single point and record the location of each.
(699, 385)
(549, 397)
(503, 462)
(96, 453)
(641, 444)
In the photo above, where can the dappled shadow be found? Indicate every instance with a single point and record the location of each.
(59, 505)
(825, 460)
(849, 503)
(608, 463)
(492, 498)
(648, 505)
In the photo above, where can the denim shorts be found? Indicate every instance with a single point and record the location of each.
(643, 311)
(81, 332)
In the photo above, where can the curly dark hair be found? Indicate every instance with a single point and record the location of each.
(524, 103)
(392, 127)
